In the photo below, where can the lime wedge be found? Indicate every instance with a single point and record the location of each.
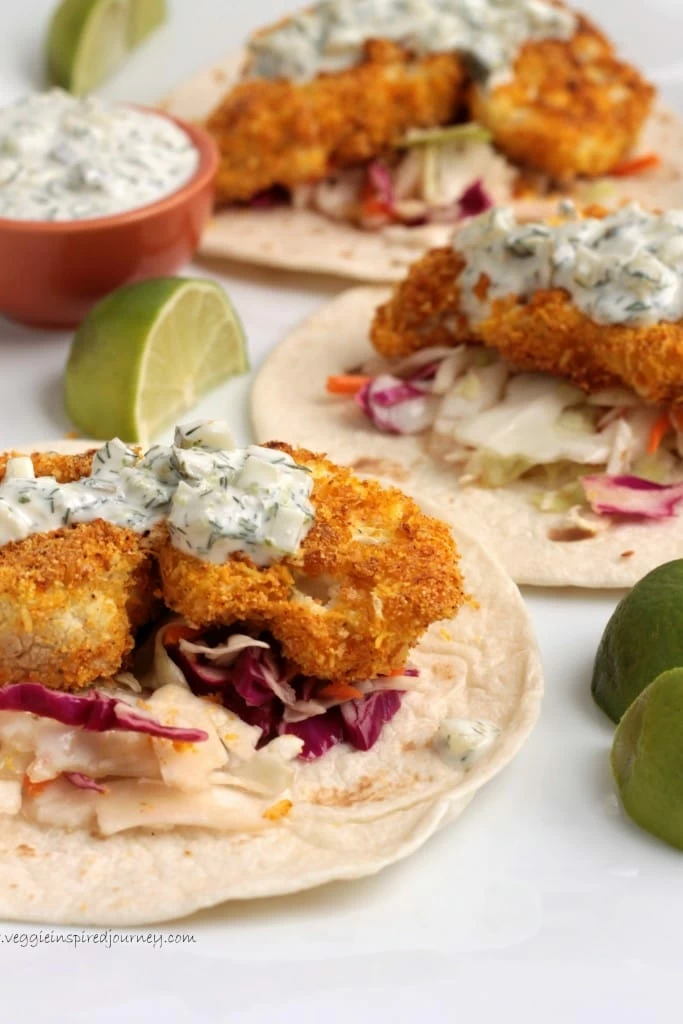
(144, 16)
(146, 353)
(647, 758)
(88, 39)
(643, 638)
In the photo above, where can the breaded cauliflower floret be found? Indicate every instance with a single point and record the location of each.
(571, 108)
(70, 601)
(546, 333)
(373, 572)
(279, 133)
(424, 308)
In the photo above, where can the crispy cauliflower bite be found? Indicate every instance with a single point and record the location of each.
(71, 599)
(571, 108)
(281, 133)
(373, 572)
(423, 309)
(68, 603)
(547, 333)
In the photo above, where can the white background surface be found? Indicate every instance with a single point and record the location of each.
(541, 904)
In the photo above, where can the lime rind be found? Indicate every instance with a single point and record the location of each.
(643, 638)
(647, 758)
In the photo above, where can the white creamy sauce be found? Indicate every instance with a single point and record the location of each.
(217, 499)
(330, 36)
(464, 741)
(624, 269)
(63, 158)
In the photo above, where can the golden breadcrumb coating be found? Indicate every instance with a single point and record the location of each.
(280, 133)
(373, 572)
(69, 602)
(371, 575)
(424, 308)
(547, 333)
(71, 599)
(571, 108)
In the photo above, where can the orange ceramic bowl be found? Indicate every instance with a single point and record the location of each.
(53, 272)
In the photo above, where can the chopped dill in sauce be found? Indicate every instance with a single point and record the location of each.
(216, 499)
(330, 36)
(625, 268)
(64, 158)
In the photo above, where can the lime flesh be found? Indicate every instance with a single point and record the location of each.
(144, 18)
(643, 638)
(147, 352)
(647, 758)
(88, 39)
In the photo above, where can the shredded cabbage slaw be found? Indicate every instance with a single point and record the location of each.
(436, 176)
(608, 450)
(204, 735)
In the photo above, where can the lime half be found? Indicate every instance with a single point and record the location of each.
(643, 638)
(88, 39)
(147, 352)
(647, 758)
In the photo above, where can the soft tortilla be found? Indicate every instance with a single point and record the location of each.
(304, 240)
(354, 813)
(289, 402)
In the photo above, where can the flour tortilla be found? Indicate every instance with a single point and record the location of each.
(303, 240)
(354, 813)
(289, 402)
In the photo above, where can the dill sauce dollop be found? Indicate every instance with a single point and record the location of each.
(64, 158)
(330, 36)
(625, 268)
(216, 499)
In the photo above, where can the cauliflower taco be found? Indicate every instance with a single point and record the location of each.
(229, 673)
(531, 374)
(354, 135)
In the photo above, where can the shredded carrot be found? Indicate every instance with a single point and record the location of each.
(278, 810)
(176, 631)
(636, 165)
(347, 384)
(375, 208)
(34, 788)
(339, 690)
(660, 429)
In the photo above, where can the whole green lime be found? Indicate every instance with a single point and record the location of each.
(647, 758)
(643, 638)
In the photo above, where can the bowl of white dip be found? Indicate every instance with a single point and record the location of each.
(93, 196)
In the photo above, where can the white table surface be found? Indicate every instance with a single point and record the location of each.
(541, 904)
